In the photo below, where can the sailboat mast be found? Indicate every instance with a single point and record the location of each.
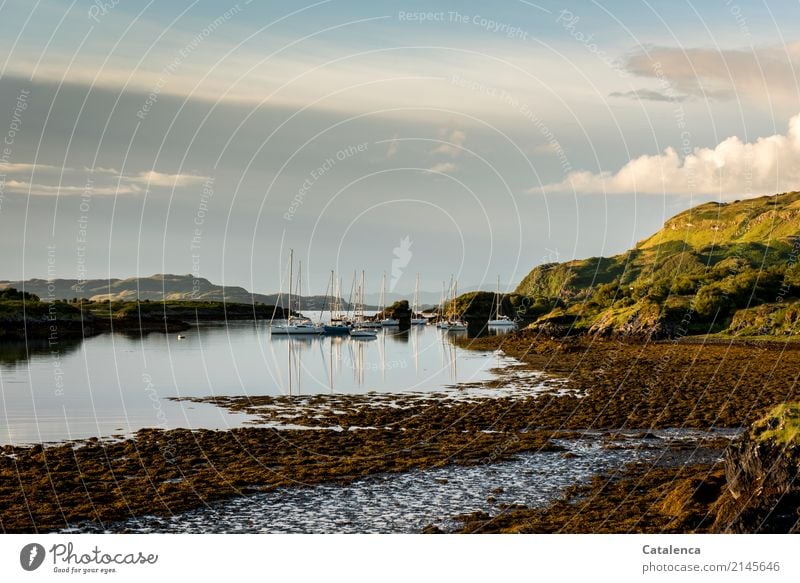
(299, 282)
(291, 276)
(497, 299)
(415, 309)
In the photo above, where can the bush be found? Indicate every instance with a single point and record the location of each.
(11, 293)
(712, 302)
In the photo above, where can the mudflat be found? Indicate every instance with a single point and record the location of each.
(588, 385)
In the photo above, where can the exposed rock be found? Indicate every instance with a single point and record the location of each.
(761, 470)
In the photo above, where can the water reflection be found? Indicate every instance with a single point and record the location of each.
(114, 384)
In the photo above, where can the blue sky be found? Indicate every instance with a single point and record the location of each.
(195, 136)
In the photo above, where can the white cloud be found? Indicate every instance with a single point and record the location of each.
(731, 169)
(444, 167)
(24, 168)
(394, 147)
(25, 187)
(153, 178)
(105, 181)
(455, 140)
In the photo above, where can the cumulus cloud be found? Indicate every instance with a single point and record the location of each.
(761, 73)
(731, 169)
(443, 167)
(454, 141)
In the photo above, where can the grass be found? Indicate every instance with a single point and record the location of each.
(781, 425)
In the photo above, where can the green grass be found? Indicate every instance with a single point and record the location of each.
(721, 262)
(780, 426)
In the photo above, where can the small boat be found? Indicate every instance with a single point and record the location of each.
(181, 337)
(415, 319)
(336, 329)
(500, 320)
(299, 325)
(362, 333)
(454, 323)
(362, 328)
(338, 326)
(386, 321)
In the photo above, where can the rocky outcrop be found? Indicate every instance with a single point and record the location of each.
(761, 469)
(642, 321)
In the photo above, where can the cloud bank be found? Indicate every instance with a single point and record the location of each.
(731, 169)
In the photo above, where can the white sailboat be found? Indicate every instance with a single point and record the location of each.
(360, 328)
(415, 319)
(500, 320)
(295, 325)
(442, 324)
(455, 324)
(337, 325)
(390, 322)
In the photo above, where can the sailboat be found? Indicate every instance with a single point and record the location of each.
(337, 325)
(415, 319)
(455, 324)
(386, 321)
(500, 320)
(442, 323)
(360, 329)
(299, 325)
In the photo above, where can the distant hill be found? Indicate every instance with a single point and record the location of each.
(162, 287)
(705, 270)
(159, 287)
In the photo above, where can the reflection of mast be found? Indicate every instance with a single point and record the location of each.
(295, 364)
(449, 353)
(382, 355)
(358, 362)
(415, 332)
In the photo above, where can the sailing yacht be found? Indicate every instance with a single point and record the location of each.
(360, 327)
(416, 320)
(295, 325)
(386, 321)
(500, 320)
(442, 322)
(455, 324)
(337, 325)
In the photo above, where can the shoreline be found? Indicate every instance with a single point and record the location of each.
(615, 387)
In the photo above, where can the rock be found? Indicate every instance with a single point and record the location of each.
(761, 469)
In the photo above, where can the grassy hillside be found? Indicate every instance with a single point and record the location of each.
(716, 267)
(156, 288)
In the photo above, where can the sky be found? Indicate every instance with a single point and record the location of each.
(435, 138)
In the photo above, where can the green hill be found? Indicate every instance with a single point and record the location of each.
(717, 267)
(157, 288)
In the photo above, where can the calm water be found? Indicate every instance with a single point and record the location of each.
(115, 384)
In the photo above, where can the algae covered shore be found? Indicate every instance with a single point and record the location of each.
(590, 387)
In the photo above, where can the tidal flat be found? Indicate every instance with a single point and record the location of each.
(701, 395)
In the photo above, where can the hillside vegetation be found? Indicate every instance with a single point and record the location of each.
(716, 268)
